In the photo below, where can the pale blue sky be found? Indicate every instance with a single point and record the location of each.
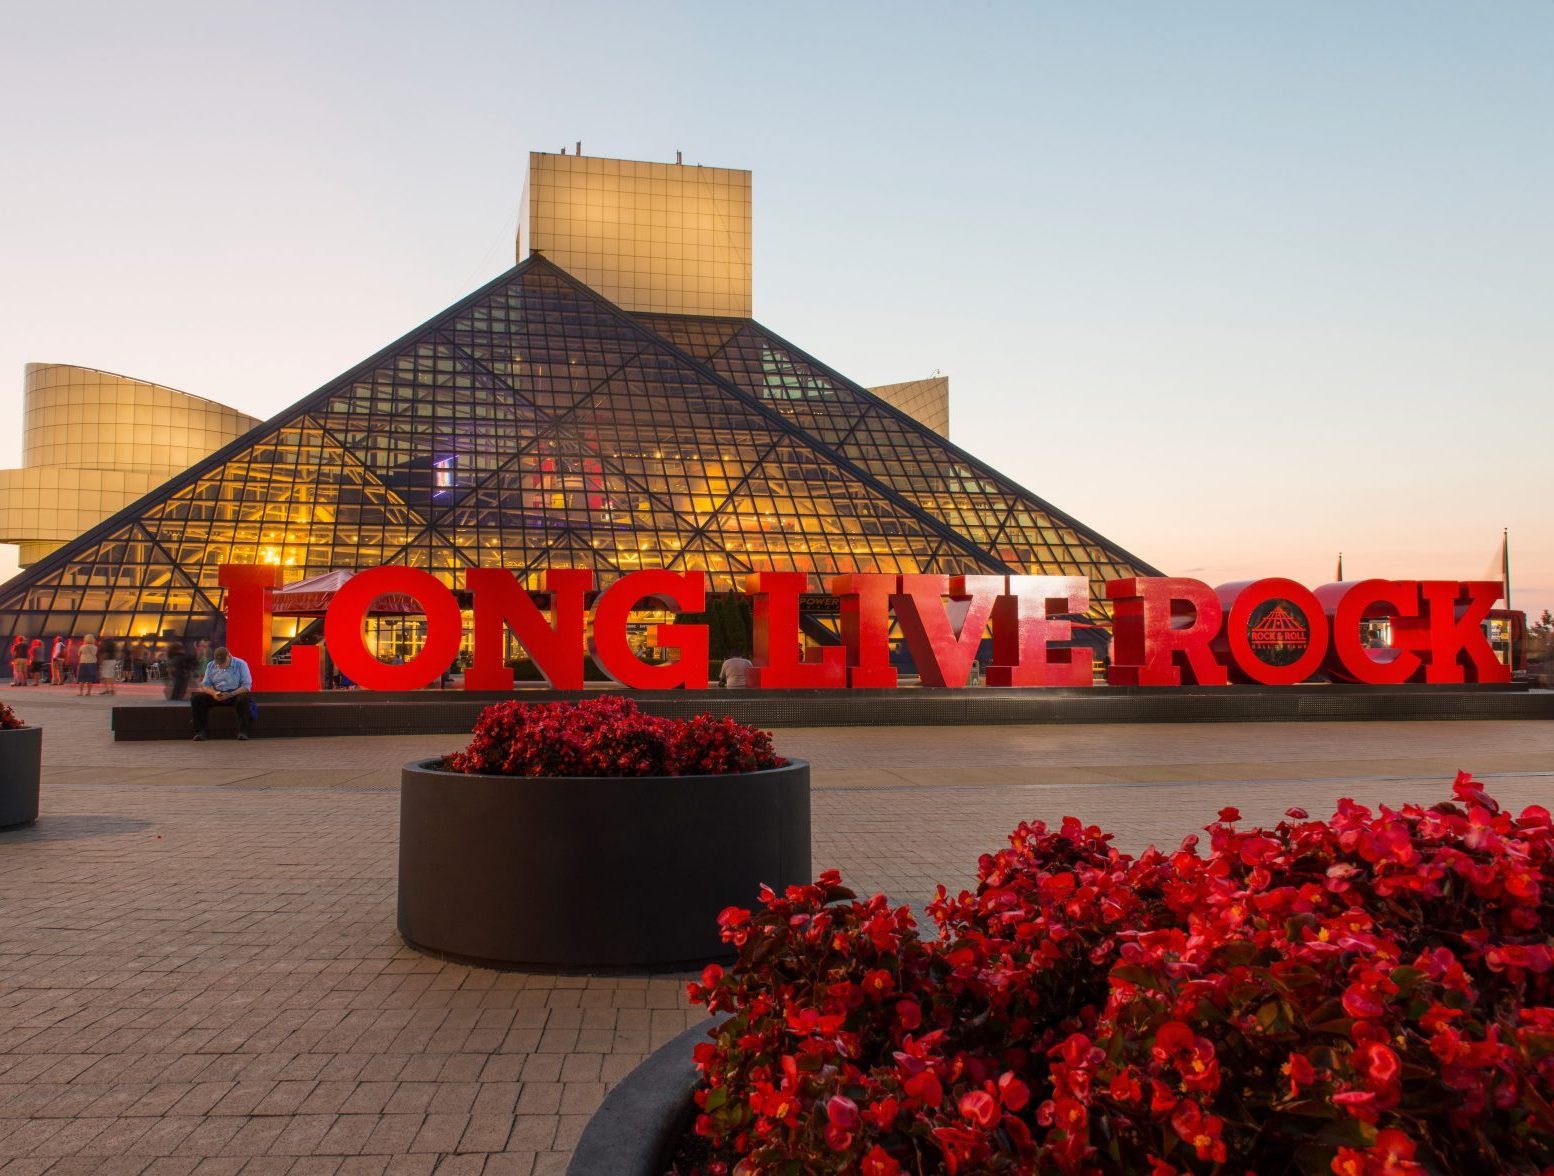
(1241, 285)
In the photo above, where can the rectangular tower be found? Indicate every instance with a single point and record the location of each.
(663, 238)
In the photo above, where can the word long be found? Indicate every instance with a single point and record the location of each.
(1168, 631)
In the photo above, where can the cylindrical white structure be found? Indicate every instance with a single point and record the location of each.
(92, 443)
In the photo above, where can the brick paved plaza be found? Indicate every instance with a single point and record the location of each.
(199, 970)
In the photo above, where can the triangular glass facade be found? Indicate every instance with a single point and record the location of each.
(535, 425)
(999, 516)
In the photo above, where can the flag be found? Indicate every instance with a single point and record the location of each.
(1502, 567)
(1505, 565)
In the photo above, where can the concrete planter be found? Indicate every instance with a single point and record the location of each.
(636, 1128)
(21, 766)
(575, 873)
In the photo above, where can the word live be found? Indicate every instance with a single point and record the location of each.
(1167, 631)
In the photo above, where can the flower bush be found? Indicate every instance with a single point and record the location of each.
(1368, 995)
(9, 719)
(608, 736)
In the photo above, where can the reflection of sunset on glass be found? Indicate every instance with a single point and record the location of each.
(1238, 289)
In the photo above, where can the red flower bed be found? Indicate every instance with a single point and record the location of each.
(608, 736)
(9, 720)
(1364, 995)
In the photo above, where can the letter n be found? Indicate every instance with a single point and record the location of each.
(500, 603)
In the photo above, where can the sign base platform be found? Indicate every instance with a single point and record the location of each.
(453, 712)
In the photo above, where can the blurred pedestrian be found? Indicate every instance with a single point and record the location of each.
(57, 662)
(108, 663)
(86, 665)
(180, 667)
(19, 661)
(37, 658)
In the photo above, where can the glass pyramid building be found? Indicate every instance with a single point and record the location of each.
(535, 424)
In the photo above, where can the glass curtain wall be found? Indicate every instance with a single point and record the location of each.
(535, 425)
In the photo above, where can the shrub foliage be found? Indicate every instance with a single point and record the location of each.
(608, 736)
(1364, 995)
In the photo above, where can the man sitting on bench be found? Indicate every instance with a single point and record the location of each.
(227, 682)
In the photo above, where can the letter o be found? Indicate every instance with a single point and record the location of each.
(1239, 627)
(347, 611)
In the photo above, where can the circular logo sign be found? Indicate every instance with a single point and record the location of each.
(1278, 632)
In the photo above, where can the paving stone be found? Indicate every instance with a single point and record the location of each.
(301, 1135)
(200, 970)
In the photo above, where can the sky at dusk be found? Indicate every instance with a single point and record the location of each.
(1240, 286)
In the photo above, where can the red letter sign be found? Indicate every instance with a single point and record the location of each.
(866, 627)
(778, 667)
(248, 629)
(1023, 633)
(687, 591)
(499, 602)
(1276, 630)
(343, 628)
(944, 656)
(1147, 651)
(1457, 612)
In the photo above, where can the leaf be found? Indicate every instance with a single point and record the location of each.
(764, 950)
(1238, 953)
(1339, 1027)
(1312, 1160)
(1347, 1132)
(1536, 1103)
(1116, 1043)
(1309, 1108)
(1326, 1011)
(1134, 974)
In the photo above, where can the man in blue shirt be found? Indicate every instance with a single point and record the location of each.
(227, 682)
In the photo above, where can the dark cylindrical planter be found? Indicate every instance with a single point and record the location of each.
(619, 872)
(21, 767)
(638, 1126)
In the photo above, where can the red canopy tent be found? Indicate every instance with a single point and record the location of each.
(311, 597)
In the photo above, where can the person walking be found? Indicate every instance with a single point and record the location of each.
(19, 661)
(86, 666)
(37, 657)
(108, 663)
(180, 666)
(227, 682)
(57, 662)
(73, 660)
